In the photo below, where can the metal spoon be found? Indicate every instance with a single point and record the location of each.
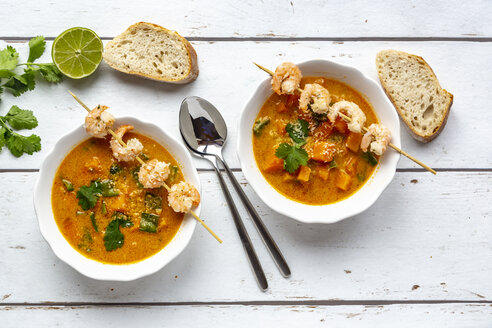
(205, 133)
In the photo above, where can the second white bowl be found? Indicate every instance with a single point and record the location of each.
(361, 199)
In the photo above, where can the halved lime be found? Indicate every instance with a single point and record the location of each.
(77, 52)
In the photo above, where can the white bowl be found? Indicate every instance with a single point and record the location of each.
(92, 268)
(360, 200)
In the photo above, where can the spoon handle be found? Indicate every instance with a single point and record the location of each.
(260, 226)
(243, 234)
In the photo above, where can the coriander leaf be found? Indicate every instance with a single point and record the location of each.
(21, 118)
(88, 195)
(148, 222)
(18, 144)
(87, 198)
(36, 48)
(298, 131)
(8, 58)
(19, 84)
(293, 156)
(50, 72)
(113, 238)
(4, 73)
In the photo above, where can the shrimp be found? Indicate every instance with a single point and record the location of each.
(353, 111)
(183, 196)
(133, 146)
(381, 136)
(286, 79)
(153, 174)
(97, 122)
(317, 97)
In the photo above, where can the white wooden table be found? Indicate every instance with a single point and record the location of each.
(420, 256)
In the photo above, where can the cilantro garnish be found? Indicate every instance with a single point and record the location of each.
(113, 238)
(293, 156)
(88, 195)
(298, 131)
(20, 83)
(18, 119)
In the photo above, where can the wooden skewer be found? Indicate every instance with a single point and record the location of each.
(142, 162)
(348, 119)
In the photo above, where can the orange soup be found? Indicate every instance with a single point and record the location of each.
(335, 166)
(101, 208)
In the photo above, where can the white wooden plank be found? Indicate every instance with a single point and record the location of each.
(228, 80)
(403, 315)
(251, 18)
(426, 238)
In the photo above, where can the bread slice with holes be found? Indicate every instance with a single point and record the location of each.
(154, 52)
(415, 91)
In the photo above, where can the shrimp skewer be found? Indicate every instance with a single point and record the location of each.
(142, 162)
(97, 122)
(286, 79)
(316, 97)
(348, 119)
(377, 137)
(357, 116)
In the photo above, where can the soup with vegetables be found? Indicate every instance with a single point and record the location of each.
(102, 209)
(305, 156)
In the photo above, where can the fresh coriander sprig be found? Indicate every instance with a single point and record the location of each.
(19, 119)
(16, 83)
(294, 155)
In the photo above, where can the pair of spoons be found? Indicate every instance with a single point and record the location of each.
(205, 132)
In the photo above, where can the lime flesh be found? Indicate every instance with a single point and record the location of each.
(77, 52)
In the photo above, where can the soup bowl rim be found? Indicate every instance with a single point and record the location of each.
(90, 267)
(361, 199)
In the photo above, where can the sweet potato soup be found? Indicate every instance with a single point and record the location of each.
(101, 208)
(336, 167)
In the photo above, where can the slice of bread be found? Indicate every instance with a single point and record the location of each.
(415, 91)
(153, 52)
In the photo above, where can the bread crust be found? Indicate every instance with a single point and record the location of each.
(192, 57)
(413, 132)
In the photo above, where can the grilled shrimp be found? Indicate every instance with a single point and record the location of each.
(378, 137)
(133, 146)
(183, 196)
(97, 122)
(353, 111)
(317, 97)
(286, 79)
(153, 174)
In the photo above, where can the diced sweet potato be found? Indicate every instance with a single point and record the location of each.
(288, 177)
(281, 107)
(324, 130)
(324, 172)
(343, 180)
(341, 125)
(323, 151)
(353, 141)
(273, 164)
(304, 173)
(351, 165)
